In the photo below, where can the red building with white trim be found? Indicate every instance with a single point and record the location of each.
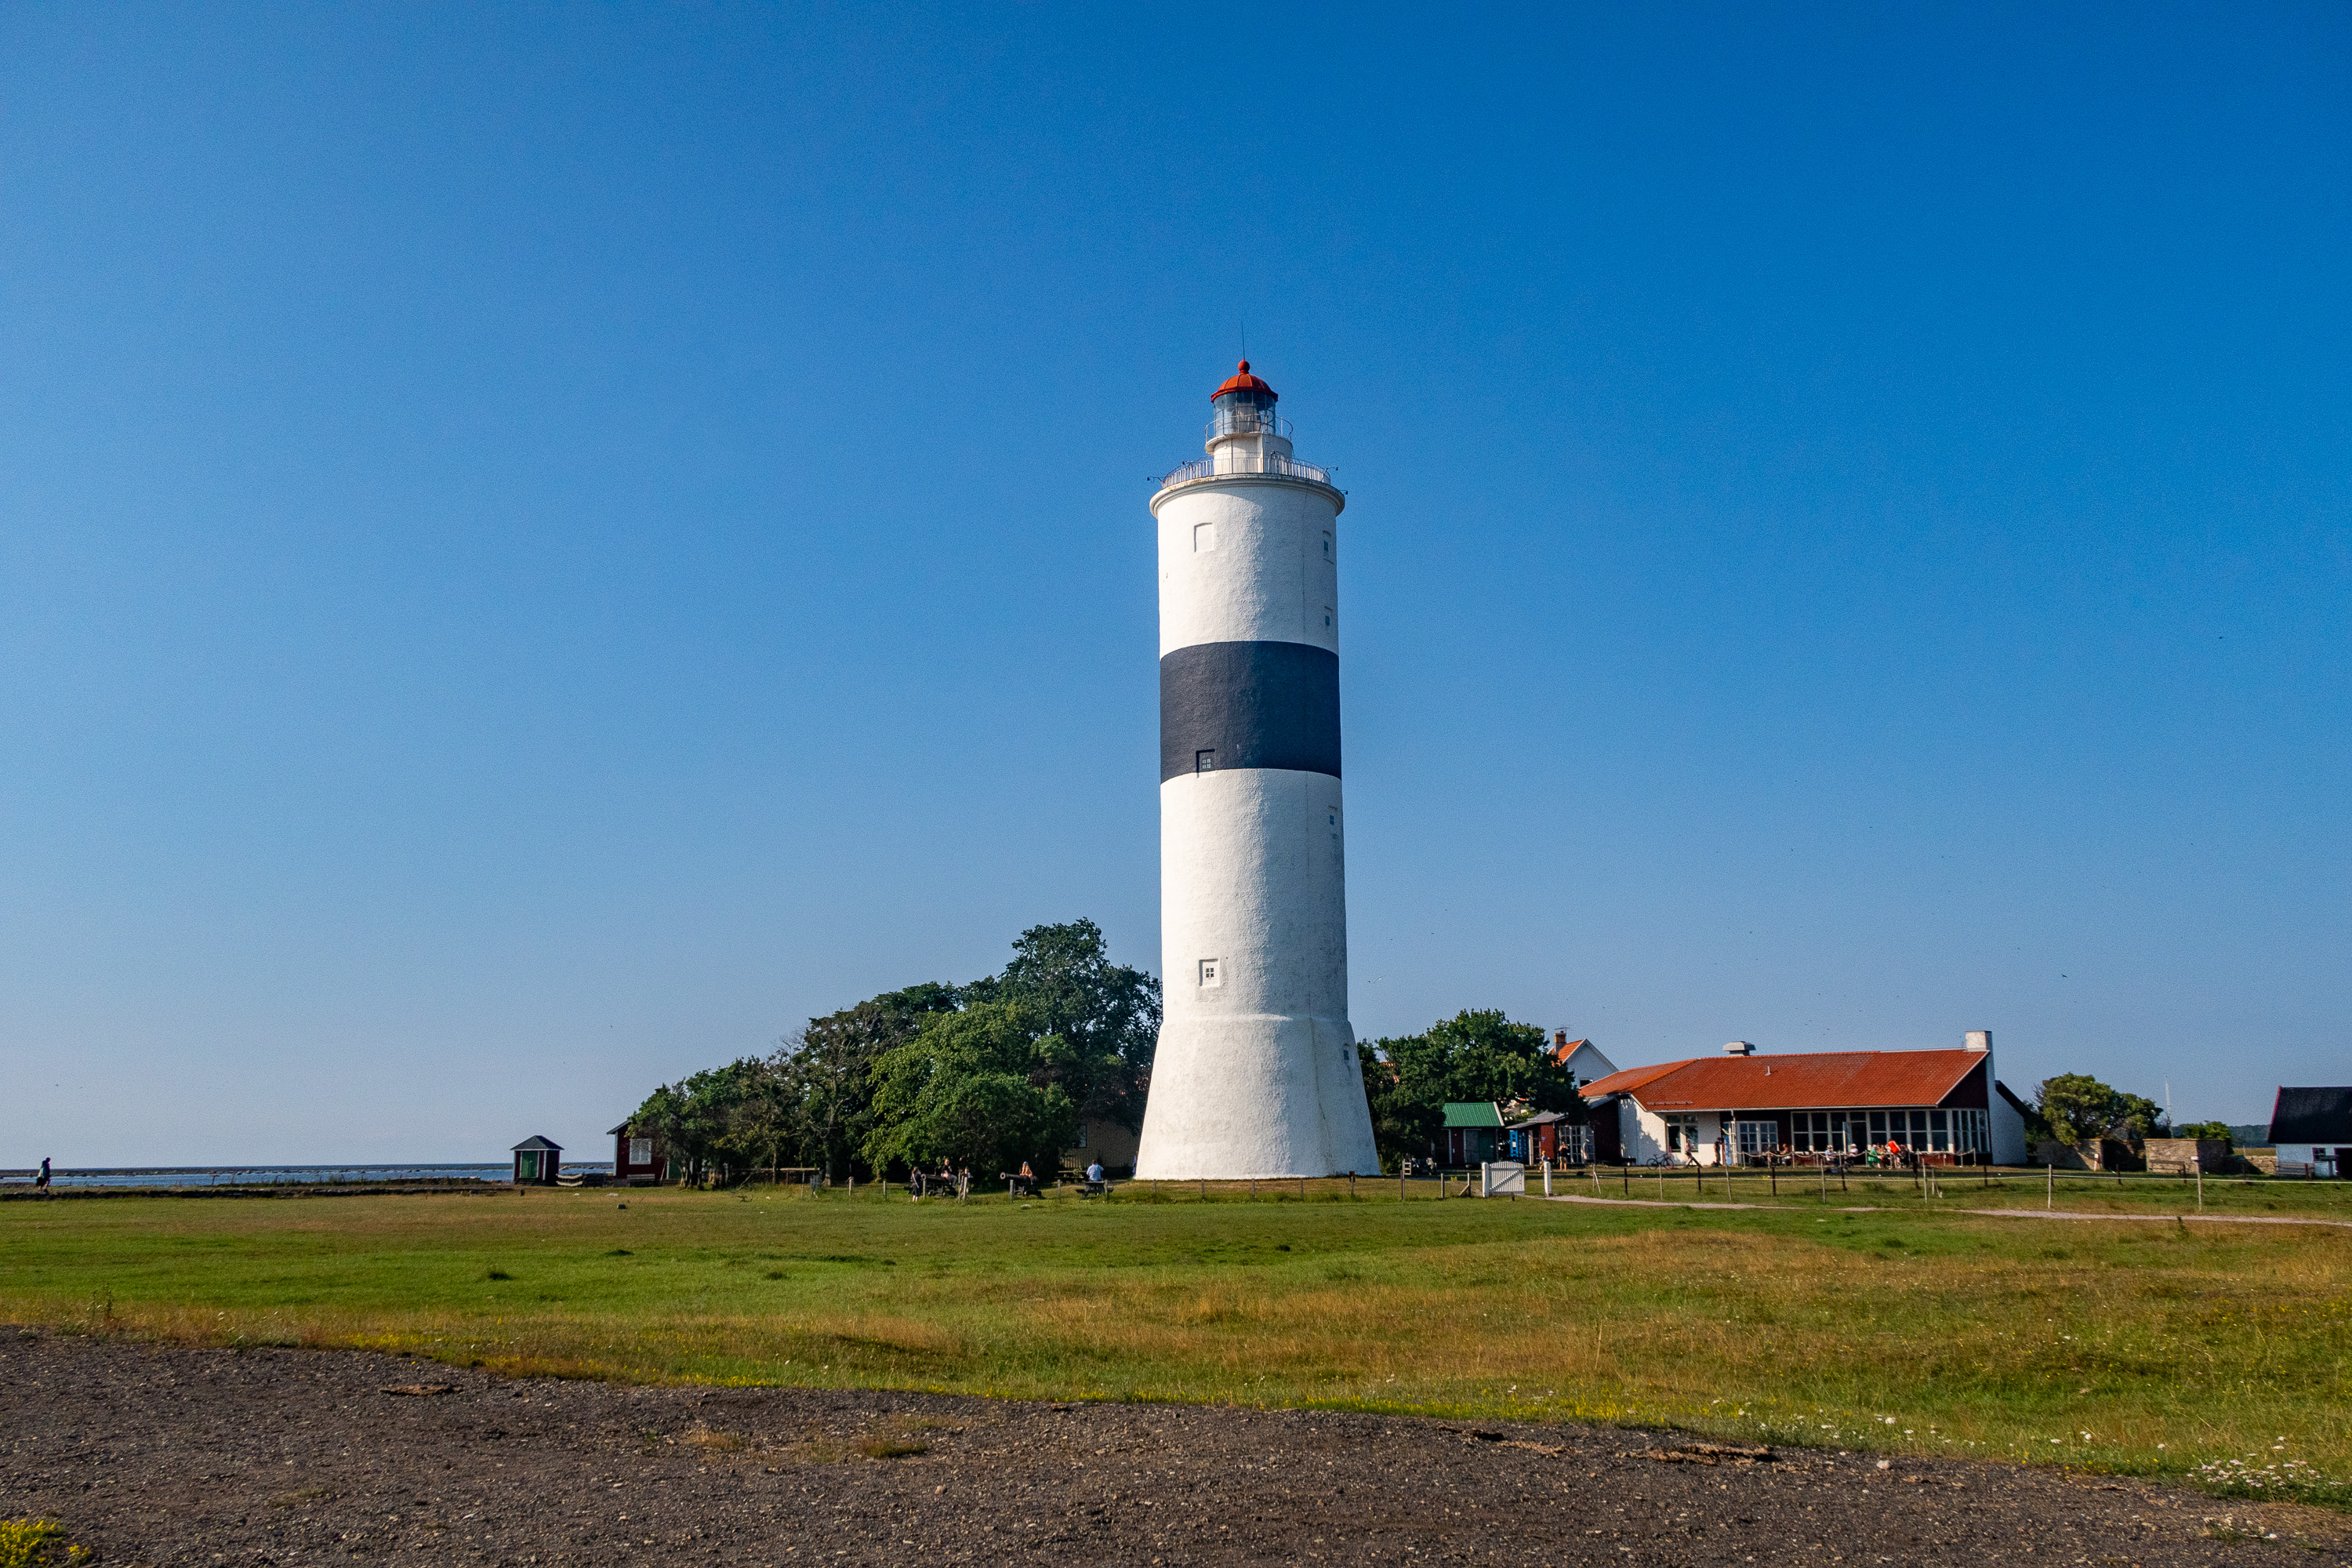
(638, 1157)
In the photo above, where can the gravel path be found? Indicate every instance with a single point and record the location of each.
(162, 1456)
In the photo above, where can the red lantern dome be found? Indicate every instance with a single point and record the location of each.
(1256, 393)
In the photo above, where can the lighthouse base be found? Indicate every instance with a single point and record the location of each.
(1260, 1095)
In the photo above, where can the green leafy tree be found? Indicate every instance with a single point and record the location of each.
(1103, 1017)
(2141, 1114)
(973, 1087)
(826, 1072)
(2079, 1107)
(1404, 1124)
(718, 1123)
(2076, 1105)
(2215, 1130)
(1476, 1055)
(1086, 1029)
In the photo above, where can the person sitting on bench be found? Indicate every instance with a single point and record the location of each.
(1095, 1186)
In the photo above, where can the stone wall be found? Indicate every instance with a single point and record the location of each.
(2098, 1154)
(2182, 1156)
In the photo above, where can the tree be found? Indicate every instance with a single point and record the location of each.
(2214, 1130)
(721, 1121)
(1085, 1029)
(1476, 1055)
(826, 1071)
(2141, 1114)
(1404, 1124)
(967, 1088)
(1104, 1016)
(2076, 1105)
(2079, 1107)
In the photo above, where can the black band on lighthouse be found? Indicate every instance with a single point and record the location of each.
(1249, 705)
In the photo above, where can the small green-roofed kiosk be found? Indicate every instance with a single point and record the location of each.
(1473, 1131)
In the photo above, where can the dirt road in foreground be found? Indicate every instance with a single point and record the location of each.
(169, 1456)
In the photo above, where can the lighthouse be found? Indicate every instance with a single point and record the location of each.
(1256, 1073)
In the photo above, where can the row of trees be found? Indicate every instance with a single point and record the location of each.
(985, 1075)
(1002, 1070)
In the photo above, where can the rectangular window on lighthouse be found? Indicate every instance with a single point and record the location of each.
(1204, 762)
(1204, 536)
(1211, 973)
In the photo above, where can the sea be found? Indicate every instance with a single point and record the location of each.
(269, 1175)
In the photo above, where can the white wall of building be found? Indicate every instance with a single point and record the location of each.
(1642, 1134)
(1589, 1065)
(2009, 1142)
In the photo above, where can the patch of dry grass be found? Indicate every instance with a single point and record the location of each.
(2125, 1346)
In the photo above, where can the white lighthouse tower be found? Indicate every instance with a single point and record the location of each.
(1256, 1073)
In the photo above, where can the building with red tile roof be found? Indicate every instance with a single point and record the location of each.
(1741, 1105)
(1582, 1057)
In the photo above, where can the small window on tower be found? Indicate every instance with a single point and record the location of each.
(1204, 536)
(1204, 762)
(1213, 971)
(1327, 614)
(1327, 547)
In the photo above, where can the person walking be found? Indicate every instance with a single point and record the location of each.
(41, 1182)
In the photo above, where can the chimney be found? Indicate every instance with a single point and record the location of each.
(1738, 1048)
(1559, 1040)
(1979, 1039)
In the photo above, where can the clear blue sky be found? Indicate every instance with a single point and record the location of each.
(541, 546)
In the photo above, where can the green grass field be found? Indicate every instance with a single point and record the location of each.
(2216, 1353)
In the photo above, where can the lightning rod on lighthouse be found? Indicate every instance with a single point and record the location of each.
(1255, 1074)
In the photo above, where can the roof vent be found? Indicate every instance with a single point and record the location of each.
(1738, 1048)
(1979, 1039)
